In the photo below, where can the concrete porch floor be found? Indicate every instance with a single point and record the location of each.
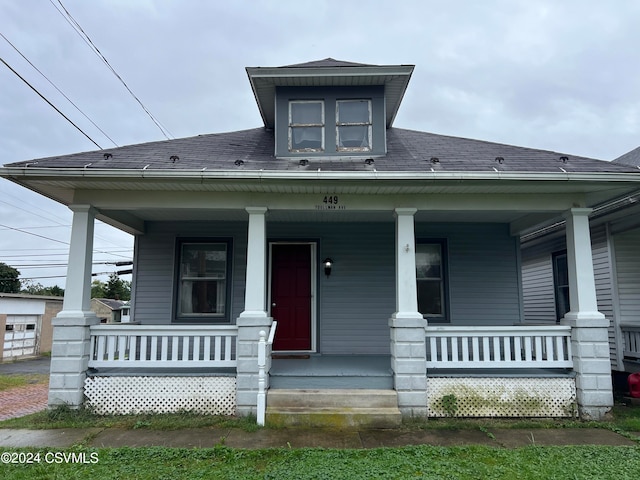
(332, 371)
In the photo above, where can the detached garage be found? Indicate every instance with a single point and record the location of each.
(25, 322)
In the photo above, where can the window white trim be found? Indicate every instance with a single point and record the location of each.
(366, 142)
(293, 126)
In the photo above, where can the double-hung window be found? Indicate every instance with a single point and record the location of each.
(353, 125)
(306, 126)
(430, 276)
(203, 283)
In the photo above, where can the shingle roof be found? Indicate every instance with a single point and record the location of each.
(407, 151)
(110, 303)
(328, 62)
(630, 158)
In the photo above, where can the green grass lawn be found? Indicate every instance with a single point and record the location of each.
(478, 462)
(13, 381)
(221, 462)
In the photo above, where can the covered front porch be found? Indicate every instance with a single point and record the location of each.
(368, 329)
(474, 371)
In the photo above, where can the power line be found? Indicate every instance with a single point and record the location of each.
(59, 223)
(50, 104)
(34, 234)
(59, 91)
(78, 29)
(59, 241)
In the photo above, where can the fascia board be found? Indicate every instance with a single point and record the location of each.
(25, 173)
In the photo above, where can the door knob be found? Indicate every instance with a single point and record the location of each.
(273, 304)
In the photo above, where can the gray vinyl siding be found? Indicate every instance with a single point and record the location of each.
(156, 263)
(538, 291)
(482, 272)
(604, 292)
(627, 248)
(538, 284)
(355, 303)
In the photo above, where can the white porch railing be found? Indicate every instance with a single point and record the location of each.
(499, 347)
(264, 365)
(162, 346)
(631, 335)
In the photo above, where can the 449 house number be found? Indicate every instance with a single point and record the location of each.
(330, 202)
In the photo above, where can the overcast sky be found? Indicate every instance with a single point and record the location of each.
(546, 74)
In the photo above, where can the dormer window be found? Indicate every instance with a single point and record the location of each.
(329, 109)
(306, 126)
(353, 125)
(330, 122)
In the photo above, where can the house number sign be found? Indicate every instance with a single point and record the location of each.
(330, 202)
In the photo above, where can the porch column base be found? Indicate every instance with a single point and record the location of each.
(409, 362)
(70, 357)
(249, 323)
(590, 350)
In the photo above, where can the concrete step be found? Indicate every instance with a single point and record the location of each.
(336, 408)
(381, 382)
(325, 398)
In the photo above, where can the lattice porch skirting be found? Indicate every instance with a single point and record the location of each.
(124, 395)
(501, 397)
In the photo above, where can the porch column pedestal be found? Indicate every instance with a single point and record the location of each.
(407, 325)
(589, 327)
(71, 335)
(254, 317)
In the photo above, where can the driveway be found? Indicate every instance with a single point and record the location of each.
(31, 365)
(20, 401)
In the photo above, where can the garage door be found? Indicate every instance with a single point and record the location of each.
(20, 336)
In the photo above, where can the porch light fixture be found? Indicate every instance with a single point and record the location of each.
(328, 264)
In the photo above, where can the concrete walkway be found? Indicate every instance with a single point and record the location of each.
(298, 438)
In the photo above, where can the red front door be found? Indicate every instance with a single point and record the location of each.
(291, 295)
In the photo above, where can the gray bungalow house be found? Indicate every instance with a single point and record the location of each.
(615, 236)
(327, 259)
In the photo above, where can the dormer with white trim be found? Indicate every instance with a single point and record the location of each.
(329, 108)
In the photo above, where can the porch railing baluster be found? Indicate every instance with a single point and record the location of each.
(162, 346)
(499, 347)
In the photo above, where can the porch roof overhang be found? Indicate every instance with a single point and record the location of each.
(522, 199)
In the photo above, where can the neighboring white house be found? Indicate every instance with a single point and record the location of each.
(388, 258)
(25, 321)
(615, 237)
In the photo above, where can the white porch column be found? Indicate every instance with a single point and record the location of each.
(254, 317)
(71, 336)
(589, 332)
(407, 325)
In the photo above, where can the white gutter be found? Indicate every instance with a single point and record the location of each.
(146, 173)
